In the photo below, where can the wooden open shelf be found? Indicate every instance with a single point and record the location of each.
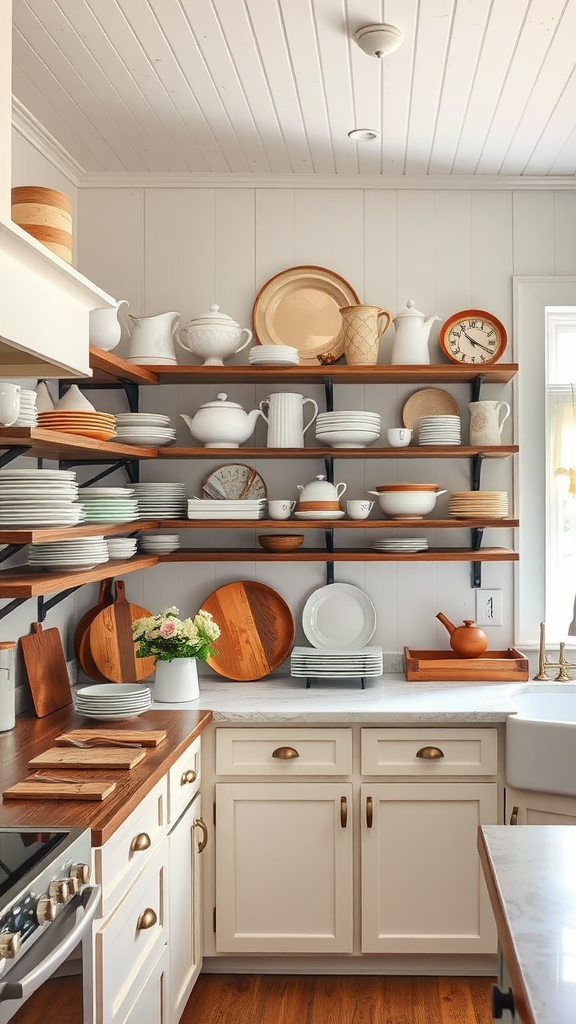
(454, 451)
(52, 444)
(281, 525)
(37, 535)
(444, 373)
(341, 555)
(25, 581)
(108, 369)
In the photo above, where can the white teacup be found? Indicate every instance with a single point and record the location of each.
(359, 509)
(399, 437)
(9, 403)
(280, 508)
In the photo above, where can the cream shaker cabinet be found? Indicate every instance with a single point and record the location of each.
(526, 808)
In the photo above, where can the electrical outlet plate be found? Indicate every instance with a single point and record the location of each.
(488, 607)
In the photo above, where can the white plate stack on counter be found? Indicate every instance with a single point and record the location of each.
(112, 701)
(39, 497)
(339, 620)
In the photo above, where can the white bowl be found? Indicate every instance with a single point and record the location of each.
(407, 504)
(347, 438)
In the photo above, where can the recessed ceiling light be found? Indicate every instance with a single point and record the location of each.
(363, 134)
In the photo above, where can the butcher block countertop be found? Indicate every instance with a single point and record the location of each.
(32, 736)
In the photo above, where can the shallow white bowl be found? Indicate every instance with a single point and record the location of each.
(407, 504)
(359, 438)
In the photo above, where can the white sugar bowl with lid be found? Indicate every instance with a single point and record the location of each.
(213, 337)
(222, 424)
(321, 490)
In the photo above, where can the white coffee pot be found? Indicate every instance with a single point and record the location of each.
(152, 338)
(410, 345)
(213, 337)
(221, 424)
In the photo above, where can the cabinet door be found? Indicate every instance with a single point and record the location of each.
(526, 808)
(422, 885)
(184, 922)
(284, 867)
(151, 1005)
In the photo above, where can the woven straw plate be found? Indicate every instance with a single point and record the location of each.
(427, 402)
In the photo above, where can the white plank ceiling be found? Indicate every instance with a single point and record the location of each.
(273, 86)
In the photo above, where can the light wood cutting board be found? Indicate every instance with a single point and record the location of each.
(111, 643)
(99, 757)
(46, 669)
(30, 790)
(151, 738)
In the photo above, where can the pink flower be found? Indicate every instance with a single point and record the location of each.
(168, 629)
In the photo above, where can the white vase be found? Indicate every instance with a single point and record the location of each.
(176, 681)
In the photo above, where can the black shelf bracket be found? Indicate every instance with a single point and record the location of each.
(9, 550)
(329, 467)
(476, 471)
(132, 467)
(13, 453)
(476, 567)
(45, 606)
(11, 606)
(329, 393)
(476, 387)
(329, 547)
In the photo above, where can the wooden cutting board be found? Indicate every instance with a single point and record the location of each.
(111, 644)
(84, 655)
(46, 669)
(30, 790)
(99, 757)
(257, 629)
(152, 738)
(104, 599)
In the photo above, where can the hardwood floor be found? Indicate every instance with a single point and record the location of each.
(271, 999)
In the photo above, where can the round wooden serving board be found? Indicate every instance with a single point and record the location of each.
(257, 629)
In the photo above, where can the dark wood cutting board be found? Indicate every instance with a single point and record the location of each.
(111, 643)
(46, 669)
(30, 790)
(97, 757)
(257, 629)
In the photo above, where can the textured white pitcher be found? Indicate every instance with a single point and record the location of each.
(485, 422)
(285, 419)
(176, 681)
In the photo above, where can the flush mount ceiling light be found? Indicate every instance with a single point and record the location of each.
(363, 134)
(378, 40)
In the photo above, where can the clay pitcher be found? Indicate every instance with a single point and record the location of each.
(468, 640)
(486, 423)
(362, 328)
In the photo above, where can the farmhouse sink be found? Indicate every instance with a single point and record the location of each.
(541, 739)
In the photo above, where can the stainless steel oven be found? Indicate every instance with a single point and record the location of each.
(46, 910)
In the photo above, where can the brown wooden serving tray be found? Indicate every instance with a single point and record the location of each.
(446, 666)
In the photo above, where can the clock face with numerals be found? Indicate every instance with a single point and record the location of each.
(473, 336)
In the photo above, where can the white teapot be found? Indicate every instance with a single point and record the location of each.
(321, 490)
(410, 345)
(222, 424)
(213, 337)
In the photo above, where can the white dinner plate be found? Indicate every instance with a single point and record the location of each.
(339, 616)
(319, 515)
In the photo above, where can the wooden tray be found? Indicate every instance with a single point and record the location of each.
(446, 666)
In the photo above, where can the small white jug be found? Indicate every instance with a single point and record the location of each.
(485, 423)
(105, 330)
(9, 403)
(285, 419)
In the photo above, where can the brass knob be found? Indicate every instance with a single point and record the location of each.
(147, 919)
(81, 872)
(45, 910)
(369, 812)
(9, 945)
(343, 811)
(140, 842)
(514, 816)
(201, 824)
(59, 890)
(285, 753)
(189, 776)
(430, 753)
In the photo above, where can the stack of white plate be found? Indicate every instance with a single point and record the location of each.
(273, 355)
(224, 508)
(71, 555)
(113, 701)
(28, 415)
(327, 664)
(439, 430)
(478, 505)
(348, 429)
(161, 501)
(159, 543)
(121, 547)
(146, 428)
(108, 504)
(399, 544)
(39, 497)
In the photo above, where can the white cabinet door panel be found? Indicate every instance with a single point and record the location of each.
(184, 918)
(527, 808)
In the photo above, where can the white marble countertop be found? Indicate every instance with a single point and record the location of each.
(386, 699)
(531, 875)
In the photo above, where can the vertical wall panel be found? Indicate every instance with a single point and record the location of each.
(533, 237)
(565, 233)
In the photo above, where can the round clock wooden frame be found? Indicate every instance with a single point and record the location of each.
(475, 347)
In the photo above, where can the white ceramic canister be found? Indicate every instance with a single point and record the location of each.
(284, 414)
(7, 691)
(486, 423)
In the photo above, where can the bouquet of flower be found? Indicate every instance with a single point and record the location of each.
(164, 636)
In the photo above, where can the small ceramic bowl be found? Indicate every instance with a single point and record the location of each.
(280, 541)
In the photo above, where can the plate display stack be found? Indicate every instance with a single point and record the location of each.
(98, 425)
(312, 663)
(112, 702)
(28, 415)
(401, 544)
(159, 543)
(145, 428)
(478, 505)
(39, 497)
(339, 620)
(440, 430)
(69, 555)
(108, 504)
(273, 355)
(347, 429)
(161, 501)
(226, 508)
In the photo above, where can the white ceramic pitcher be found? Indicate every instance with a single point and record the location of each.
(152, 338)
(486, 423)
(9, 403)
(105, 328)
(285, 418)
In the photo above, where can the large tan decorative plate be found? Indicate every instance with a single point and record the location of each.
(427, 402)
(300, 307)
(257, 629)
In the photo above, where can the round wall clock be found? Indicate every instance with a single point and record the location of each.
(473, 336)
(233, 481)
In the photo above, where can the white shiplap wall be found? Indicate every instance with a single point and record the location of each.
(183, 248)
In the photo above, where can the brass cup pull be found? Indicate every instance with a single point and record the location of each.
(201, 824)
(430, 753)
(343, 811)
(514, 816)
(147, 919)
(369, 812)
(285, 753)
(189, 776)
(140, 842)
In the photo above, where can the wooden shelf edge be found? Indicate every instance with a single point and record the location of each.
(25, 582)
(281, 525)
(38, 535)
(342, 555)
(411, 452)
(53, 444)
(112, 366)
(440, 373)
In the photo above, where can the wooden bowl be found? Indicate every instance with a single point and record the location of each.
(280, 541)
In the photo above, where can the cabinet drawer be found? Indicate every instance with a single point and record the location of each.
(184, 780)
(133, 844)
(128, 943)
(403, 752)
(259, 752)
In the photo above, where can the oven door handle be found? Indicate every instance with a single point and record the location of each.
(88, 900)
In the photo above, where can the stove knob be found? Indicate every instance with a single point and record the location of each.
(59, 890)
(9, 945)
(73, 885)
(81, 872)
(45, 910)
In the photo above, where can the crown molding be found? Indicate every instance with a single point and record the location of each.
(34, 132)
(480, 182)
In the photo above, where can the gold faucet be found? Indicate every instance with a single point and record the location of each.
(543, 664)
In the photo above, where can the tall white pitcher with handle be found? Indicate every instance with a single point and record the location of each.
(486, 422)
(284, 414)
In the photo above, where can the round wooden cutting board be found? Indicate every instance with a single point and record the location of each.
(257, 629)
